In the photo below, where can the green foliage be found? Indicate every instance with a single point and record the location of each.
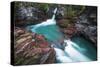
(69, 10)
(43, 6)
(72, 11)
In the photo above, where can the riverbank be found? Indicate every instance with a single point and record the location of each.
(46, 33)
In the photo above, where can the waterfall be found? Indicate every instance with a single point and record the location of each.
(51, 31)
(47, 22)
(74, 53)
(61, 56)
(53, 18)
(70, 53)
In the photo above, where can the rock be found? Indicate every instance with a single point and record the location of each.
(28, 15)
(63, 23)
(31, 48)
(87, 26)
(91, 32)
(49, 57)
(18, 32)
(67, 27)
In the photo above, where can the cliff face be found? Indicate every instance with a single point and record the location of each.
(87, 24)
(28, 15)
(70, 19)
(84, 24)
(31, 48)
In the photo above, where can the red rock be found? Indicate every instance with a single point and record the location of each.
(29, 51)
(40, 37)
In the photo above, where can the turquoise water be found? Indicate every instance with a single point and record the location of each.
(79, 49)
(51, 32)
(89, 49)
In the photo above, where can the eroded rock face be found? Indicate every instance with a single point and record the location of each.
(35, 14)
(31, 48)
(67, 27)
(87, 26)
(29, 15)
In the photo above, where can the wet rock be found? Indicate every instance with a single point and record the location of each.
(89, 32)
(59, 14)
(31, 48)
(70, 31)
(87, 26)
(67, 27)
(63, 23)
(29, 15)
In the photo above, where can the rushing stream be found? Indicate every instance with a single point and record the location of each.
(76, 50)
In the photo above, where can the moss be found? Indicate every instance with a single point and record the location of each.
(72, 11)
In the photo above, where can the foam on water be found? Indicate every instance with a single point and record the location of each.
(72, 52)
(48, 28)
(61, 56)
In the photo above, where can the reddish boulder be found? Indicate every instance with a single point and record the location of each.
(31, 48)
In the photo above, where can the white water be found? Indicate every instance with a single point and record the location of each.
(45, 23)
(49, 21)
(70, 54)
(74, 53)
(61, 56)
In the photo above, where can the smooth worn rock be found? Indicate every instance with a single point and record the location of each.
(31, 48)
(28, 15)
(87, 26)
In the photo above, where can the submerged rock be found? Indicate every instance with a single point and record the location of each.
(31, 48)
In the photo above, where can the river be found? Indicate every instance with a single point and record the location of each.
(76, 50)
